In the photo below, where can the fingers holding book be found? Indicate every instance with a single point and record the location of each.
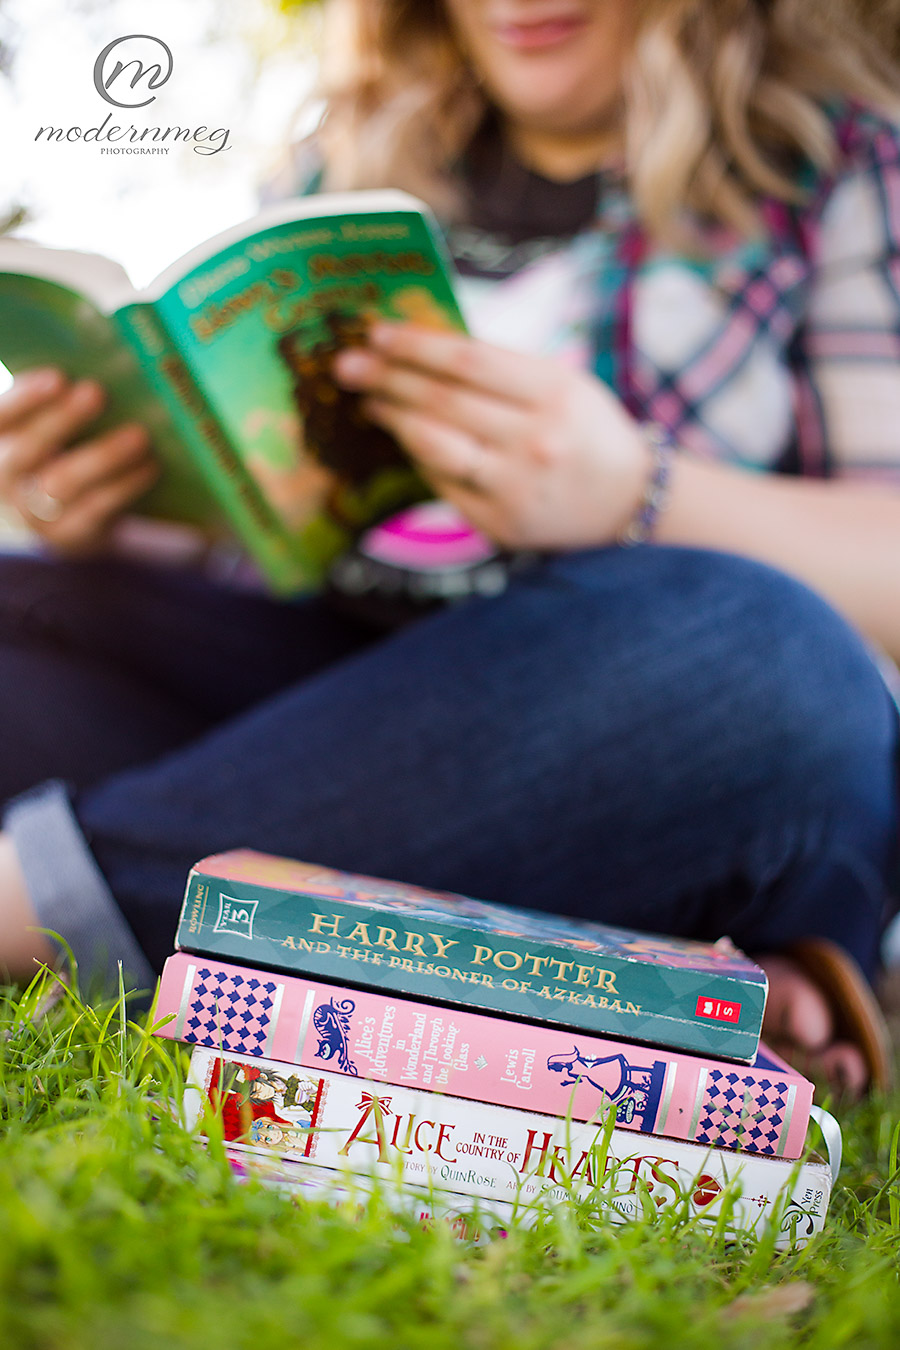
(39, 416)
(535, 454)
(89, 488)
(495, 419)
(69, 492)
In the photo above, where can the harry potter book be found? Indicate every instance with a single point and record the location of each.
(443, 1144)
(226, 358)
(763, 1108)
(296, 917)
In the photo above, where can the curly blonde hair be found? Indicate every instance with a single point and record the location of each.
(722, 99)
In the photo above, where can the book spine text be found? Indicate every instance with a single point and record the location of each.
(359, 1127)
(238, 495)
(415, 1044)
(434, 958)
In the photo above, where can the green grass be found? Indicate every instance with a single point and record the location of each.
(117, 1232)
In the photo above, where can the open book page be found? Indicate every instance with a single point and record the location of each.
(99, 279)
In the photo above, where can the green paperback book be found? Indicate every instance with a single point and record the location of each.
(292, 916)
(226, 358)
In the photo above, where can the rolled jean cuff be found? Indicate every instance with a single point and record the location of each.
(69, 892)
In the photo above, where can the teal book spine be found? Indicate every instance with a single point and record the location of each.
(213, 455)
(388, 942)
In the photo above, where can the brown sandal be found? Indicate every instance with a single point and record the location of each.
(857, 1016)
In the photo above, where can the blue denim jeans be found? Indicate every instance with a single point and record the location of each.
(668, 739)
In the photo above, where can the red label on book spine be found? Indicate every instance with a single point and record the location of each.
(718, 1009)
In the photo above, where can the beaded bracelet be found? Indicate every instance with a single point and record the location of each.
(655, 497)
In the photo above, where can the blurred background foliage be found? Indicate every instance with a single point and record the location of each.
(12, 214)
(267, 34)
(258, 40)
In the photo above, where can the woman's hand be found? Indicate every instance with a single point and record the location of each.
(71, 495)
(534, 455)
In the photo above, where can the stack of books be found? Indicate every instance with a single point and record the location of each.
(346, 1027)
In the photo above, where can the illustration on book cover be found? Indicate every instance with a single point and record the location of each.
(332, 1022)
(265, 1108)
(633, 1089)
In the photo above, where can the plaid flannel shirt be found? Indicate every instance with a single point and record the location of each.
(778, 353)
(796, 364)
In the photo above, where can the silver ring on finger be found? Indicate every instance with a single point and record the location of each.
(38, 502)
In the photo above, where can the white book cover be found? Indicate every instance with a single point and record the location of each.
(441, 1143)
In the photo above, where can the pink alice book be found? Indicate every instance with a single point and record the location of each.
(761, 1108)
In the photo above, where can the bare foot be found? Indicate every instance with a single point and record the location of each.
(799, 1026)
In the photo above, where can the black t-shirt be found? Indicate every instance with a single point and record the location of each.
(513, 214)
